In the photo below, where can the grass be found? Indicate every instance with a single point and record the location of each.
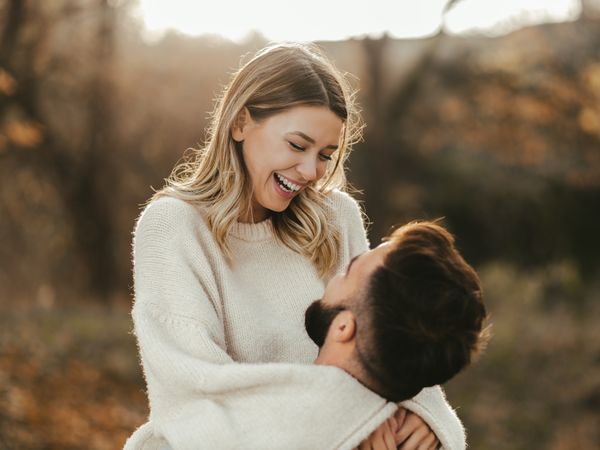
(70, 378)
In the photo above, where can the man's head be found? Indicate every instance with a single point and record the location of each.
(405, 315)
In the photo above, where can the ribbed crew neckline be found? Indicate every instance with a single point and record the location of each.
(258, 231)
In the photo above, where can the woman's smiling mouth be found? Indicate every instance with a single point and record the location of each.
(286, 187)
(286, 184)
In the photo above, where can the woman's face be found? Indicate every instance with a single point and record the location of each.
(286, 152)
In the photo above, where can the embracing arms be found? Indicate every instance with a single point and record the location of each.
(201, 398)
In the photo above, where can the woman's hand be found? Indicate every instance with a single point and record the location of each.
(382, 438)
(405, 431)
(412, 432)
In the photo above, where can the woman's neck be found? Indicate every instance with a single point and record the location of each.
(257, 213)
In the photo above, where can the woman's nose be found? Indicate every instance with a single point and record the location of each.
(308, 169)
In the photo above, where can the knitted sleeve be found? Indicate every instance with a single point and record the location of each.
(430, 404)
(199, 397)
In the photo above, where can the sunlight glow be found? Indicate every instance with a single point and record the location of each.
(498, 17)
(337, 20)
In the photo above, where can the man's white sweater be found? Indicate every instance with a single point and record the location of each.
(227, 361)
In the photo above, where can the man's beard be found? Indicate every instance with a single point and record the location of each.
(317, 320)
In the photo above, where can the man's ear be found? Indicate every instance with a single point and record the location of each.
(240, 125)
(343, 327)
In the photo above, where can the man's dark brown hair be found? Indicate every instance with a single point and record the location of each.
(421, 320)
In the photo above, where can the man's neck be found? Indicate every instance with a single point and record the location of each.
(333, 359)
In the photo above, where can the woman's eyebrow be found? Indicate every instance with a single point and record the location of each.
(311, 140)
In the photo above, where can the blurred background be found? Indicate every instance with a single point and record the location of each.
(485, 113)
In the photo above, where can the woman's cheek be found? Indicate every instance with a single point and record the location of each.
(322, 168)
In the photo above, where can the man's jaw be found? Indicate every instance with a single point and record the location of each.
(317, 321)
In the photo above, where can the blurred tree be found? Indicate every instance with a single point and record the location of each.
(386, 160)
(93, 183)
(82, 174)
(590, 9)
(505, 135)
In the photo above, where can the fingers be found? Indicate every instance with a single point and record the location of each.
(409, 424)
(383, 438)
(377, 438)
(380, 439)
(430, 442)
(415, 434)
(388, 435)
(416, 438)
(400, 416)
(365, 445)
(421, 441)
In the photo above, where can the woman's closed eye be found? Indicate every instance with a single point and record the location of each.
(296, 146)
(299, 148)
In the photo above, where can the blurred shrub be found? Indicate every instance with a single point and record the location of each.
(537, 385)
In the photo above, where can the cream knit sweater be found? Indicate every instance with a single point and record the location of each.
(227, 361)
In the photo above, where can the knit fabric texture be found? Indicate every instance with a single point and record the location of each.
(225, 355)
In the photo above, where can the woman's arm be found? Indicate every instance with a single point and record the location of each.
(201, 398)
(431, 406)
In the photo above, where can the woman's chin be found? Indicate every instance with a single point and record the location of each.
(279, 208)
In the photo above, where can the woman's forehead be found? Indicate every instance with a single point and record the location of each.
(312, 123)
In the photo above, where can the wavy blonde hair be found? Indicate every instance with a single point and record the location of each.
(276, 79)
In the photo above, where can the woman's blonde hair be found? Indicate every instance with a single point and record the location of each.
(276, 79)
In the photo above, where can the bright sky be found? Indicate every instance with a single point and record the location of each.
(307, 20)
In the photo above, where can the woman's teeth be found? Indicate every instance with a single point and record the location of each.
(286, 184)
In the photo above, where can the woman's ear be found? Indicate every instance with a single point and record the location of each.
(343, 327)
(240, 125)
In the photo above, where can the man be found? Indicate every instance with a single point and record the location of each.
(403, 316)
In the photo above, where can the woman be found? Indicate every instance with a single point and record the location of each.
(231, 252)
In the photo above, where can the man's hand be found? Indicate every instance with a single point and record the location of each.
(382, 438)
(412, 433)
